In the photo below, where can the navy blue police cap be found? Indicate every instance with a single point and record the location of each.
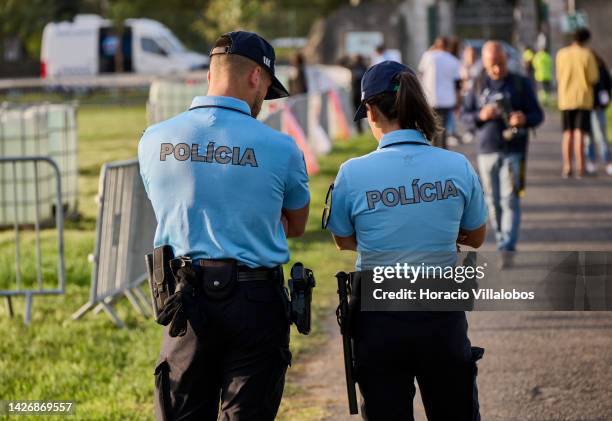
(380, 78)
(254, 47)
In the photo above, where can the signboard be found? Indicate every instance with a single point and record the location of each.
(573, 21)
(362, 42)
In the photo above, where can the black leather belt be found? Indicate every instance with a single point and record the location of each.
(246, 273)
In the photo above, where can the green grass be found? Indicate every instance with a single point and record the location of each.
(109, 371)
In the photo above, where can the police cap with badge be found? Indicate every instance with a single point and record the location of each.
(254, 47)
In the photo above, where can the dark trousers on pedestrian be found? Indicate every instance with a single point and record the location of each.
(394, 348)
(356, 103)
(234, 357)
(443, 116)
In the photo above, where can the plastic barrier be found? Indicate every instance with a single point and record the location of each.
(39, 130)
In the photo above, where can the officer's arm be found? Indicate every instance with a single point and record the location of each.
(346, 243)
(296, 221)
(472, 238)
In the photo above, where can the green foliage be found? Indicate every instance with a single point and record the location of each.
(271, 18)
(24, 20)
(197, 23)
(181, 16)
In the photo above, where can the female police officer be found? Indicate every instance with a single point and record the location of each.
(374, 212)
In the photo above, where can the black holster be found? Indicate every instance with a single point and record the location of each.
(161, 279)
(301, 283)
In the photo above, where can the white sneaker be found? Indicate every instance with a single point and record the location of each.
(591, 168)
(609, 169)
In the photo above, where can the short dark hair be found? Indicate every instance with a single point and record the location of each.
(582, 35)
(441, 43)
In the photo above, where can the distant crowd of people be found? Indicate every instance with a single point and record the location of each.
(498, 106)
(450, 71)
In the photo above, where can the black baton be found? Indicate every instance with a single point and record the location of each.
(347, 344)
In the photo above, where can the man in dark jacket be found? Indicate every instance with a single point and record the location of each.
(500, 108)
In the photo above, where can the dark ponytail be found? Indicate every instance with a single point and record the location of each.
(409, 106)
(413, 111)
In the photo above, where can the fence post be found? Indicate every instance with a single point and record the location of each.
(28, 294)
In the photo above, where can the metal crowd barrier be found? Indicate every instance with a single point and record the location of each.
(10, 177)
(125, 229)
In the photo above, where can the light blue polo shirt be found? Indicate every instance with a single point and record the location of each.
(406, 198)
(218, 179)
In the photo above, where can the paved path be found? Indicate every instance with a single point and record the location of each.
(538, 365)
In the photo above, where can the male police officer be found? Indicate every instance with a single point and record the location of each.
(408, 200)
(227, 191)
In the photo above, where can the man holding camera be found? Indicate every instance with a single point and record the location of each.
(500, 108)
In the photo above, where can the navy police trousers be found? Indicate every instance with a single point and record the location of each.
(394, 348)
(233, 358)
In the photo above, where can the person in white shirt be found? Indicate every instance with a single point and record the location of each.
(441, 78)
(383, 54)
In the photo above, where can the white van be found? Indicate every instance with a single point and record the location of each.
(88, 45)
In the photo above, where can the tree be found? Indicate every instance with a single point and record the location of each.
(197, 23)
(271, 18)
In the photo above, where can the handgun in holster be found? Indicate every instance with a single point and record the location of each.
(301, 283)
(161, 278)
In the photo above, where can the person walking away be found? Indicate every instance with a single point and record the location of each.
(452, 138)
(542, 66)
(358, 68)
(577, 73)
(297, 82)
(377, 55)
(440, 75)
(453, 46)
(500, 108)
(471, 69)
(599, 124)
